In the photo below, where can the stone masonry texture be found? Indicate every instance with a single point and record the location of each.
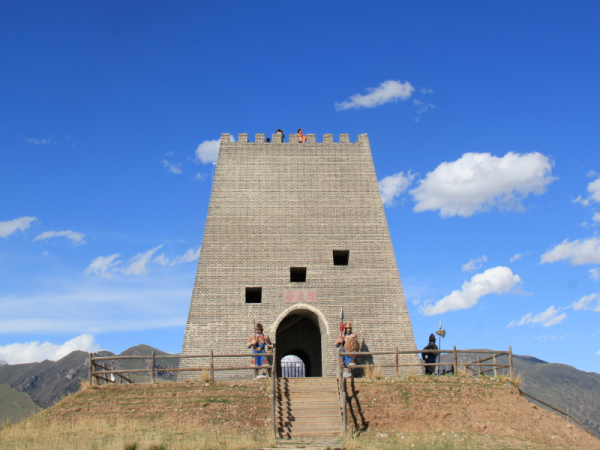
(278, 205)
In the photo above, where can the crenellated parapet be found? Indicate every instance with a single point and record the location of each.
(292, 139)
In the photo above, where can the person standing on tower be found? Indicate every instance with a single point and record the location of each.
(280, 134)
(258, 342)
(301, 137)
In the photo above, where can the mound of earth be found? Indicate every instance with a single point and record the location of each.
(489, 408)
(456, 405)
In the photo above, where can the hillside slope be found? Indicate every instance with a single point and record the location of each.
(560, 385)
(15, 406)
(457, 412)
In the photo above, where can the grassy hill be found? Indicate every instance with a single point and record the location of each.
(15, 406)
(560, 385)
(412, 413)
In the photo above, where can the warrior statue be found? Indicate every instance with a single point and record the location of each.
(258, 342)
(430, 358)
(349, 343)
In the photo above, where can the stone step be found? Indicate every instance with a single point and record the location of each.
(285, 433)
(331, 420)
(302, 430)
(316, 400)
(308, 414)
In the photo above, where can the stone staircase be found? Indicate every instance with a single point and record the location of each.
(308, 407)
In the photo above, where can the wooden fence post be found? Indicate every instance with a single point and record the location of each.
(273, 394)
(455, 361)
(495, 371)
(152, 375)
(512, 370)
(212, 366)
(91, 369)
(479, 367)
(396, 361)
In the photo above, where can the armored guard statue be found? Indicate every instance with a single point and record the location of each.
(349, 343)
(258, 342)
(430, 358)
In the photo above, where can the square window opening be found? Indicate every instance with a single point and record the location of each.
(253, 295)
(297, 274)
(341, 257)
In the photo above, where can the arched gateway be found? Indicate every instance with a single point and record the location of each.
(294, 233)
(299, 334)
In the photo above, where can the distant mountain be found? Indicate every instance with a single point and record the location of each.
(46, 382)
(3, 363)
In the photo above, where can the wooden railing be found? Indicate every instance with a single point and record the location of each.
(211, 367)
(455, 364)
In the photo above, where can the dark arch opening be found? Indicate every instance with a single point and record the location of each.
(298, 334)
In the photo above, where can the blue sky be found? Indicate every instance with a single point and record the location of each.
(483, 121)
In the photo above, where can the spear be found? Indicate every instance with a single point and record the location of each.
(341, 320)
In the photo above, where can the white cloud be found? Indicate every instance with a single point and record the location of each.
(426, 90)
(137, 264)
(421, 106)
(388, 91)
(38, 141)
(585, 303)
(106, 266)
(547, 318)
(545, 338)
(74, 236)
(208, 151)
(103, 266)
(577, 252)
(517, 257)
(35, 351)
(189, 256)
(594, 189)
(479, 181)
(10, 226)
(200, 176)
(595, 273)
(393, 186)
(596, 217)
(497, 280)
(172, 167)
(474, 264)
(161, 259)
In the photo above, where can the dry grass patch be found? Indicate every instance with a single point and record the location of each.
(373, 372)
(88, 434)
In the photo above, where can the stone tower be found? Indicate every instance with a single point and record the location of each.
(294, 233)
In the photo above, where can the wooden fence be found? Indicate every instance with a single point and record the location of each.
(211, 368)
(493, 365)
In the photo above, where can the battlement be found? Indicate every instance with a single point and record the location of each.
(260, 138)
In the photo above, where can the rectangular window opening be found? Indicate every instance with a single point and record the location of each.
(341, 257)
(298, 274)
(253, 295)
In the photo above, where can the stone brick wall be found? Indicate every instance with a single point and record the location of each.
(279, 205)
